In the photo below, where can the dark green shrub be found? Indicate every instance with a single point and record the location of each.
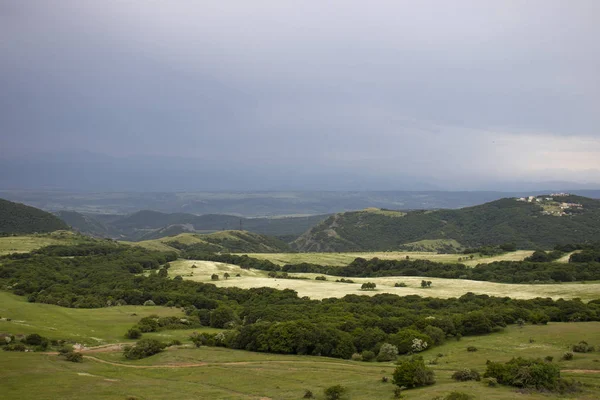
(466, 374)
(583, 347)
(308, 394)
(144, 348)
(65, 349)
(471, 348)
(368, 355)
(567, 356)
(336, 392)
(525, 373)
(549, 358)
(73, 356)
(133, 333)
(14, 347)
(413, 373)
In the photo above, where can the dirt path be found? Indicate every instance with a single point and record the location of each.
(204, 364)
(178, 365)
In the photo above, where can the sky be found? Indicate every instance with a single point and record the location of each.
(305, 94)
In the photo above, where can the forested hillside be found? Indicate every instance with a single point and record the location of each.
(19, 218)
(529, 225)
(147, 224)
(224, 241)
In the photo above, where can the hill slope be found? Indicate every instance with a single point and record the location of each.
(527, 224)
(147, 225)
(19, 218)
(224, 241)
(83, 223)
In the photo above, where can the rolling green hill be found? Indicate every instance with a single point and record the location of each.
(19, 218)
(148, 225)
(527, 224)
(224, 241)
(83, 223)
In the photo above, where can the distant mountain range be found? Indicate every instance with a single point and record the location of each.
(254, 203)
(529, 225)
(18, 218)
(147, 225)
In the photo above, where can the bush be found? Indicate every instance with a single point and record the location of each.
(368, 355)
(34, 339)
(14, 347)
(133, 333)
(384, 379)
(525, 373)
(320, 278)
(387, 352)
(413, 373)
(65, 349)
(356, 357)
(144, 348)
(549, 358)
(471, 348)
(466, 374)
(336, 392)
(567, 356)
(368, 286)
(400, 284)
(149, 303)
(308, 395)
(73, 356)
(582, 347)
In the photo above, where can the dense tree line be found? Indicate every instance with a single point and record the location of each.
(265, 319)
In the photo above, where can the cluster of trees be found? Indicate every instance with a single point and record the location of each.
(529, 373)
(270, 320)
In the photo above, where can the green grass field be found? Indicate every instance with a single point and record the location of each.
(219, 373)
(27, 243)
(340, 259)
(91, 327)
(322, 289)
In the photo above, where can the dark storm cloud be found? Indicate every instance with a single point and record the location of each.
(454, 90)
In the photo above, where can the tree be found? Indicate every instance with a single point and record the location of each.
(413, 373)
(226, 275)
(368, 286)
(220, 316)
(214, 277)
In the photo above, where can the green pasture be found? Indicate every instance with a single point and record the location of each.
(27, 243)
(91, 327)
(218, 373)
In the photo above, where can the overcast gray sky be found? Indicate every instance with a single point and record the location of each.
(457, 91)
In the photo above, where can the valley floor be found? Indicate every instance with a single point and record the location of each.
(219, 373)
(440, 287)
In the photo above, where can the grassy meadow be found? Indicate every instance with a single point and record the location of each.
(314, 289)
(340, 259)
(91, 327)
(27, 243)
(219, 373)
